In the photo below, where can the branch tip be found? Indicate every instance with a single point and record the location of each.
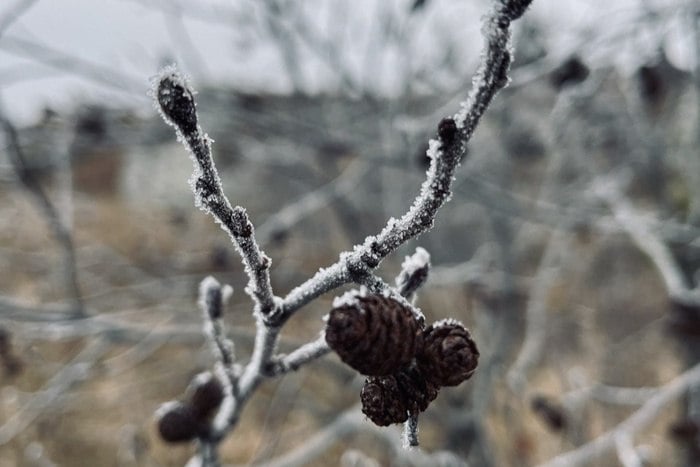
(174, 99)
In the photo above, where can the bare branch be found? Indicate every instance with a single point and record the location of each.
(50, 214)
(71, 373)
(175, 100)
(301, 356)
(65, 62)
(632, 425)
(14, 13)
(212, 299)
(445, 153)
(536, 312)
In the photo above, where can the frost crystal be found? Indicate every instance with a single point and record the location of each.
(350, 298)
(418, 260)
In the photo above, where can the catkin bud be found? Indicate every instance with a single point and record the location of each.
(391, 399)
(176, 422)
(447, 130)
(449, 355)
(375, 335)
(176, 101)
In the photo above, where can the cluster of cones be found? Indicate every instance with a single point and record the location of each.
(406, 364)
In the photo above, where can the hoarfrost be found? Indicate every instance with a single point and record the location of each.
(350, 298)
(417, 261)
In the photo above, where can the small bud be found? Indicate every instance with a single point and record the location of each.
(204, 395)
(447, 130)
(375, 335)
(449, 355)
(391, 399)
(176, 101)
(414, 272)
(176, 422)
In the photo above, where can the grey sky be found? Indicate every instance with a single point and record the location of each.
(133, 40)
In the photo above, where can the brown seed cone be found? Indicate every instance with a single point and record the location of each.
(176, 422)
(205, 394)
(449, 355)
(391, 399)
(376, 335)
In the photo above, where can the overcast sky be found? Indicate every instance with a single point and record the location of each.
(124, 42)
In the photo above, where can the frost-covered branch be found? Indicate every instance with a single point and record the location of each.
(212, 299)
(445, 154)
(175, 101)
(301, 356)
(448, 358)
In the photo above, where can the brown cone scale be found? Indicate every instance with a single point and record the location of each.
(391, 399)
(449, 355)
(376, 335)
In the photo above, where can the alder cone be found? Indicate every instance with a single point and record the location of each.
(376, 335)
(449, 355)
(391, 399)
(206, 393)
(177, 422)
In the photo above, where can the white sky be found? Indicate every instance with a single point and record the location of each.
(133, 40)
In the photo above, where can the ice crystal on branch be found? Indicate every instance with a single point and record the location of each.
(414, 272)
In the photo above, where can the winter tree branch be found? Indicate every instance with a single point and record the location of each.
(175, 100)
(52, 217)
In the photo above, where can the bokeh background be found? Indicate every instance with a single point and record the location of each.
(570, 246)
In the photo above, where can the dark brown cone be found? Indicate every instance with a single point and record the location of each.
(205, 395)
(390, 399)
(449, 355)
(176, 422)
(376, 336)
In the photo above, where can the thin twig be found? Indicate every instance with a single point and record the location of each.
(14, 13)
(640, 419)
(175, 101)
(445, 154)
(68, 63)
(71, 373)
(51, 215)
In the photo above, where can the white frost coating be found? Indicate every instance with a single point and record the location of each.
(418, 260)
(433, 151)
(171, 73)
(201, 379)
(165, 407)
(350, 298)
(222, 419)
(448, 322)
